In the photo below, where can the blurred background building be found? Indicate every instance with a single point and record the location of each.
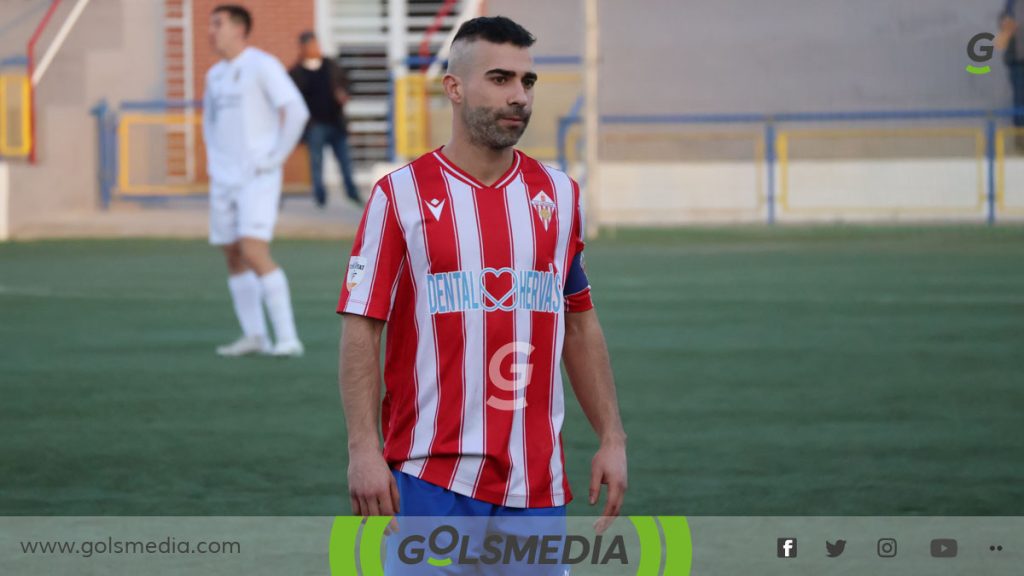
(730, 110)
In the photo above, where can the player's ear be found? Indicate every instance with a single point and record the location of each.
(453, 88)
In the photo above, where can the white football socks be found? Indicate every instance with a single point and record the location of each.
(279, 305)
(247, 295)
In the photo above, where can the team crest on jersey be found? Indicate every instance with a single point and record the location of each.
(356, 271)
(544, 206)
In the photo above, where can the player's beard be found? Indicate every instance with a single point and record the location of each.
(486, 130)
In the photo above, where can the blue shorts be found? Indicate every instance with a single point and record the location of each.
(437, 524)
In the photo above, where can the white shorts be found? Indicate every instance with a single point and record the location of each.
(246, 211)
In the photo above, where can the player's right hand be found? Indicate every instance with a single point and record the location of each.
(372, 489)
(1007, 29)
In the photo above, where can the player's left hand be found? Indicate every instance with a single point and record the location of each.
(608, 467)
(266, 165)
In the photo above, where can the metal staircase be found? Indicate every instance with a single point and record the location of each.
(358, 33)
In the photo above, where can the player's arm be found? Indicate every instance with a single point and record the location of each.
(288, 101)
(1007, 29)
(378, 256)
(585, 354)
(339, 81)
(207, 112)
(372, 488)
(1007, 26)
(590, 372)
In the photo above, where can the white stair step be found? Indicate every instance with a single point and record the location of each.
(345, 37)
(365, 87)
(380, 62)
(368, 75)
(358, 23)
(367, 108)
(371, 126)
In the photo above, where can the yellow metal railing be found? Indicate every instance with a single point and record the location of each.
(126, 147)
(15, 115)
(1002, 204)
(411, 122)
(162, 154)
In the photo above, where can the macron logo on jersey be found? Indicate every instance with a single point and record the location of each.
(465, 290)
(436, 207)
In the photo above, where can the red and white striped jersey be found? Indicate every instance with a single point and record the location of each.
(472, 282)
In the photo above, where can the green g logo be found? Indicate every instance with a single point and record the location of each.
(980, 50)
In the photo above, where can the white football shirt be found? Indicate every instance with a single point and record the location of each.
(241, 118)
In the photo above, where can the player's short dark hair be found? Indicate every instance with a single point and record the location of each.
(496, 30)
(238, 14)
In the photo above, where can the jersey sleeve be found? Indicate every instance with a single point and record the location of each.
(577, 285)
(376, 261)
(277, 84)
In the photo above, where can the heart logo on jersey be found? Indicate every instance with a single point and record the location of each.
(507, 300)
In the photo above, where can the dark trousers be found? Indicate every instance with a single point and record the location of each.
(319, 135)
(1017, 84)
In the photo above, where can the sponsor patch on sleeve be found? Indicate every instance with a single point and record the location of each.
(356, 271)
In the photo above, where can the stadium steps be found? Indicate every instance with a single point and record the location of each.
(359, 36)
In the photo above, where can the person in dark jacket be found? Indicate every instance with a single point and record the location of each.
(324, 85)
(1013, 55)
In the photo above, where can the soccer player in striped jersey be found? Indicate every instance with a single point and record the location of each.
(253, 116)
(472, 257)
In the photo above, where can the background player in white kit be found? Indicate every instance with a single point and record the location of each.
(253, 116)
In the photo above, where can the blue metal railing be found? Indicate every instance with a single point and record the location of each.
(550, 60)
(17, 61)
(107, 119)
(106, 131)
(151, 105)
(770, 123)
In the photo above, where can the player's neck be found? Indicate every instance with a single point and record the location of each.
(485, 164)
(230, 54)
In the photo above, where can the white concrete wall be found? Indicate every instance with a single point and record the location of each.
(885, 188)
(817, 191)
(5, 231)
(1013, 201)
(115, 52)
(669, 193)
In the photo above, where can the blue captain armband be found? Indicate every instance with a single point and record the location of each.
(576, 281)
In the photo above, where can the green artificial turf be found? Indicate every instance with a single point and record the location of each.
(761, 371)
